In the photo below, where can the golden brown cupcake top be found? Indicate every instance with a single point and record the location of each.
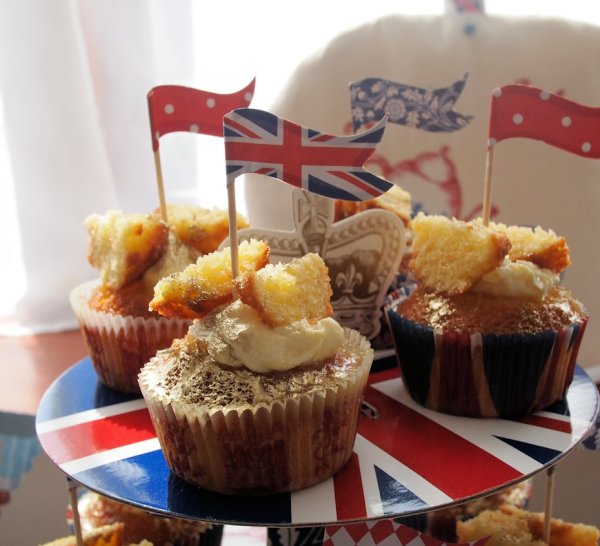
(487, 314)
(189, 374)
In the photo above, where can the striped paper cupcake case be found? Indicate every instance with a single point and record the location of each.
(484, 375)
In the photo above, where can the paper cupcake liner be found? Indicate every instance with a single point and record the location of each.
(120, 345)
(281, 447)
(485, 375)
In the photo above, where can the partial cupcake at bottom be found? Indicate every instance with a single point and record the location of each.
(484, 329)
(441, 524)
(263, 394)
(511, 526)
(96, 511)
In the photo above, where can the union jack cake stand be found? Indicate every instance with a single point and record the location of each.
(407, 459)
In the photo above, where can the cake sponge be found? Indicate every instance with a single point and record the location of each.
(206, 284)
(285, 293)
(449, 255)
(200, 228)
(122, 246)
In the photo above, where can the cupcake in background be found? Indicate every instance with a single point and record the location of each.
(97, 511)
(132, 252)
(442, 523)
(263, 394)
(483, 329)
(511, 526)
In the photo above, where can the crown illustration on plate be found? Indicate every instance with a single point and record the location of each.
(363, 253)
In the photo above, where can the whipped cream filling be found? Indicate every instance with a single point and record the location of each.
(236, 336)
(518, 279)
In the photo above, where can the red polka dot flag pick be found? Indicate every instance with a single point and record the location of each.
(177, 108)
(528, 112)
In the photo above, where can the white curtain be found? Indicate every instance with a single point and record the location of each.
(74, 134)
(74, 137)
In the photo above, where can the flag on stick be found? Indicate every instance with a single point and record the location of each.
(524, 111)
(426, 109)
(528, 112)
(260, 142)
(175, 108)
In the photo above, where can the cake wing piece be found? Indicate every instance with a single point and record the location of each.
(285, 293)
(438, 240)
(122, 246)
(207, 284)
(542, 247)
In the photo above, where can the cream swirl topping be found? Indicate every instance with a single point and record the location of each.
(237, 336)
(518, 279)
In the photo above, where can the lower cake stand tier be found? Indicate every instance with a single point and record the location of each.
(407, 459)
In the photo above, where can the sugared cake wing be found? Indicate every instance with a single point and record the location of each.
(438, 240)
(207, 284)
(395, 200)
(200, 228)
(122, 246)
(285, 293)
(542, 247)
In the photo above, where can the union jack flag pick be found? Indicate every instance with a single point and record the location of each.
(178, 108)
(425, 109)
(528, 112)
(260, 142)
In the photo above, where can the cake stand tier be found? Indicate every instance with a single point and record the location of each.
(406, 460)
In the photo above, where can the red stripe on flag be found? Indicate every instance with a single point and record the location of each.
(356, 182)
(458, 468)
(241, 128)
(349, 495)
(86, 439)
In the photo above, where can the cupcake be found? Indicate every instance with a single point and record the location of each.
(263, 394)
(96, 511)
(132, 252)
(511, 526)
(482, 327)
(442, 523)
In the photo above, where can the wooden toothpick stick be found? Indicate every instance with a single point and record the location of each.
(487, 185)
(233, 239)
(161, 187)
(549, 501)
